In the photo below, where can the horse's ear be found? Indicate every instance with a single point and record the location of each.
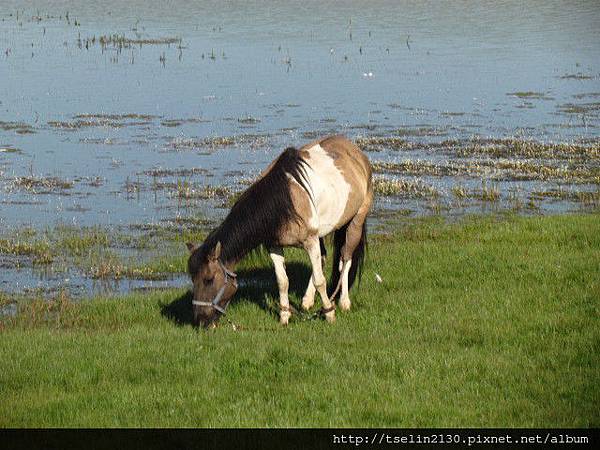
(191, 247)
(216, 252)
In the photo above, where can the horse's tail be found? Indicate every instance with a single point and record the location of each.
(358, 257)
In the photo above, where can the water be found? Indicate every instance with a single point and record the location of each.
(270, 75)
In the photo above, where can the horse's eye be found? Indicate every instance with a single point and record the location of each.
(209, 281)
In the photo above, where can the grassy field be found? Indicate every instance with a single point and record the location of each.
(493, 321)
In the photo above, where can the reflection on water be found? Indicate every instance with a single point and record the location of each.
(116, 113)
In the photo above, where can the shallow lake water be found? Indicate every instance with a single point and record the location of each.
(121, 113)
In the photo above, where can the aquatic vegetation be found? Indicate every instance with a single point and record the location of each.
(587, 95)
(531, 95)
(185, 172)
(217, 142)
(80, 241)
(530, 170)
(374, 144)
(120, 41)
(118, 117)
(248, 120)
(178, 122)
(39, 251)
(592, 108)
(510, 147)
(459, 191)
(10, 149)
(421, 167)
(399, 187)
(488, 192)
(17, 127)
(576, 76)
(41, 185)
(421, 131)
(187, 190)
(116, 270)
(106, 121)
(588, 198)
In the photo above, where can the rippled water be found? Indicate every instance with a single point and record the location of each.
(109, 119)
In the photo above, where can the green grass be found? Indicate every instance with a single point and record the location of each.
(488, 322)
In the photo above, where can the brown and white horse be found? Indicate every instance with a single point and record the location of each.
(301, 197)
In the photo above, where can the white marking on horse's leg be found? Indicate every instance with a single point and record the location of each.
(344, 297)
(309, 296)
(314, 252)
(308, 300)
(276, 255)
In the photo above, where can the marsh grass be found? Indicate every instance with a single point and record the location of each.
(500, 169)
(80, 241)
(490, 322)
(403, 188)
(38, 250)
(530, 95)
(524, 148)
(42, 185)
(219, 142)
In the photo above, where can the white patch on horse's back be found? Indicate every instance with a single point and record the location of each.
(330, 190)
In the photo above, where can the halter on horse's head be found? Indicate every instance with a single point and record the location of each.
(214, 284)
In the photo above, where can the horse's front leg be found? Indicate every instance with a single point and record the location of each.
(276, 255)
(314, 252)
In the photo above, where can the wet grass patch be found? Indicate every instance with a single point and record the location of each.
(217, 142)
(7, 149)
(171, 123)
(530, 95)
(39, 251)
(512, 147)
(17, 127)
(102, 121)
(115, 270)
(185, 189)
(375, 143)
(186, 172)
(397, 187)
(588, 198)
(429, 168)
(576, 76)
(42, 185)
(119, 42)
(421, 131)
(590, 109)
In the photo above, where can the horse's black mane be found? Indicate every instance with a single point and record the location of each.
(258, 215)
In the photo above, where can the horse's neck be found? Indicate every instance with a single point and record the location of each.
(231, 255)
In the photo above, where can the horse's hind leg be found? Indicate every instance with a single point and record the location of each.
(276, 255)
(353, 237)
(312, 247)
(309, 296)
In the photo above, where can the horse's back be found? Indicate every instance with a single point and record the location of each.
(339, 176)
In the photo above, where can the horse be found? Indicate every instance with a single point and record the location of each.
(302, 196)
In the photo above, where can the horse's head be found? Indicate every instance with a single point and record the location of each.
(214, 284)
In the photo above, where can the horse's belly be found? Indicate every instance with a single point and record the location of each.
(330, 213)
(330, 191)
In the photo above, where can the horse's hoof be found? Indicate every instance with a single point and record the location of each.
(284, 317)
(345, 304)
(330, 317)
(307, 304)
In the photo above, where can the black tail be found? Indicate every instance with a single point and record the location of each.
(358, 257)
